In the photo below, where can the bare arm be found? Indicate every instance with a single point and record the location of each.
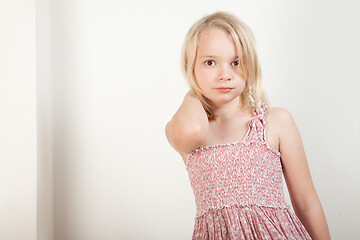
(189, 126)
(304, 198)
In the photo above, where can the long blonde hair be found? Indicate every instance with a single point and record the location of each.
(245, 45)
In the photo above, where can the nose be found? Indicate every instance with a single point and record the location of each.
(224, 73)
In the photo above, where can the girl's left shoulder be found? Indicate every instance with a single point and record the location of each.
(280, 122)
(278, 116)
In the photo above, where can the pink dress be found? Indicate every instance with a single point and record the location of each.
(238, 189)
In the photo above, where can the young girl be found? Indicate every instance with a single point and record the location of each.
(235, 147)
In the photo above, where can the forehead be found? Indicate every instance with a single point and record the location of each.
(216, 41)
(213, 32)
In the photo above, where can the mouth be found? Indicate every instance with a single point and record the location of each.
(224, 89)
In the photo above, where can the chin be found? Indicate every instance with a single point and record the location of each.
(226, 98)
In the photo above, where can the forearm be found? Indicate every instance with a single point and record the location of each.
(315, 222)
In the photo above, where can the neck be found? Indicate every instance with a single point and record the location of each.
(228, 111)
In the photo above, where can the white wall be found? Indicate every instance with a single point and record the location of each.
(17, 121)
(116, 82)
(109, 79)
(44, 75)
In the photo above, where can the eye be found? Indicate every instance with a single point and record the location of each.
(210, 62)
(235, 63)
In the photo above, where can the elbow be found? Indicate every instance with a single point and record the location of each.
(189, 132)
(184, 136)
(195, 133)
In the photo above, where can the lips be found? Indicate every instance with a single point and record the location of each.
(224, 89)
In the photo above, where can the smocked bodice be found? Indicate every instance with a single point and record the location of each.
(246, 172)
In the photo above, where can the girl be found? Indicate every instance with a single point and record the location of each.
(235, 147)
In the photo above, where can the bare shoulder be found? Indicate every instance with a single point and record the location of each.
(276, 117)
(287, 130)
(279, 118)
(279, 114)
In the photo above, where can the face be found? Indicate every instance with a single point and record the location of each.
(217, 67)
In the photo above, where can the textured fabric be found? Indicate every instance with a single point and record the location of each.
(238, 189)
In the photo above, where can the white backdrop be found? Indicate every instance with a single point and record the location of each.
(108, 81)
(17, 120)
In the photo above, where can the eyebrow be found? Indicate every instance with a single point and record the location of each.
(211, 56)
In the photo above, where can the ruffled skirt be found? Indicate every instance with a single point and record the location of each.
(249, 222)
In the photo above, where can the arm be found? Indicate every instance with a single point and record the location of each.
(302, 192)
(189, 126)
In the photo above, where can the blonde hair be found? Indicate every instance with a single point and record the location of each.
(245, 45)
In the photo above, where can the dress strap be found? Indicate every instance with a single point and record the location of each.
(258, 123)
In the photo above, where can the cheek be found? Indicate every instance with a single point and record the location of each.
(204, 80)
(202, 77)
(240, 75)
(204, 74)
